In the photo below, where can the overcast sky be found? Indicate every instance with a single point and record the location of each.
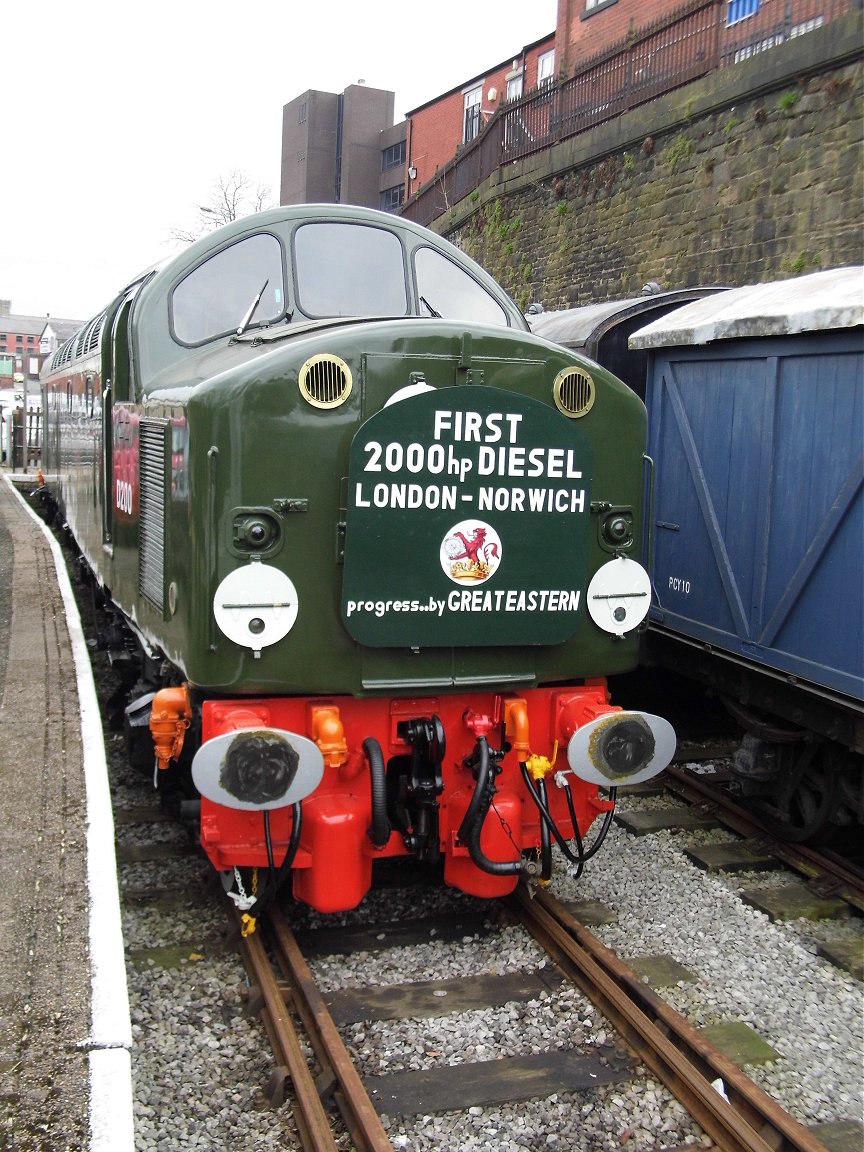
(122, 117)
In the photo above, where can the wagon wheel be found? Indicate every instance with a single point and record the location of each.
(807, 793)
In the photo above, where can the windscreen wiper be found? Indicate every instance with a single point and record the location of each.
(247, 319)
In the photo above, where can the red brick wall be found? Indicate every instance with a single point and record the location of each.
(434, 132)
(435, 129)
(580, 35)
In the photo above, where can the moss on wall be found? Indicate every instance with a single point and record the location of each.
(769, 187)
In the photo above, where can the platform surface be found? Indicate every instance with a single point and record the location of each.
(63, 1056)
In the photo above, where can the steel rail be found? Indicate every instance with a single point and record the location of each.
(671, 1047)
(312, 1120)
(809, 861)
(340, 1077)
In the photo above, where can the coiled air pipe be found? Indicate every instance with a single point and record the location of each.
(379, 829)
(578, 858)
(478, 809)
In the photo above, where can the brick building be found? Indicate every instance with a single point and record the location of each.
(346, 148)
(586, 27)
(25, 342)
(443, 125)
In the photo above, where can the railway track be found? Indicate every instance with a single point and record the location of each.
(799, 882)
(320, 1098)
(827, 871)
(317, 1070)
(740, 1118)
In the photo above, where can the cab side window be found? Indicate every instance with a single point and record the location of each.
(216, 297)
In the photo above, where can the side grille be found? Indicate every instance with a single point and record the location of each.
(573, 392)
(151, 508)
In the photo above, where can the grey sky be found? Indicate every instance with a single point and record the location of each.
(122, 118)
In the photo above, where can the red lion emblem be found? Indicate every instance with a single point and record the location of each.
(476, 549)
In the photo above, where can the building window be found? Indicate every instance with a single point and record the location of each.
(392, 198)
(303, 113)
(545, 68)
(514, 86)
(592, 6)
(473, 99)
(740, 9)
(393, 157)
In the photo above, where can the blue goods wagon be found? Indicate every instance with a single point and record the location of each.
(756, 424)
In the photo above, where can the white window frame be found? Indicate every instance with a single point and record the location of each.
(514, 85)
(546, 68)
(473, 99)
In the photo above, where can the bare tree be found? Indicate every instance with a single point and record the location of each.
(233, 196)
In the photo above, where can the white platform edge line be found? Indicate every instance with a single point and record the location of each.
(111, 1115)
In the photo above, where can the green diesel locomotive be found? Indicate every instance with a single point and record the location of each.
(375, 542)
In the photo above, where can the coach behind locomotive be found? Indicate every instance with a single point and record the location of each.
(375, 542)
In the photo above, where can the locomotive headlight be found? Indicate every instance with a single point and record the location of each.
(621, 748)
(254, 531)
(618, 530)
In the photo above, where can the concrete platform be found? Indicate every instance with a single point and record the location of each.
(65, 1032)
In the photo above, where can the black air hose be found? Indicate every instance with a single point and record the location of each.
(278, 875)
(759, 727)
(472, 823)
(545, 838)
(379, 829)
(547, 821)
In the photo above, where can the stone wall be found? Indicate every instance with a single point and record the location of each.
(751, 174)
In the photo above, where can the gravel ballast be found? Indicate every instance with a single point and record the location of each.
(200, 1062)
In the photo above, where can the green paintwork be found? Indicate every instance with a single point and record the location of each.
(236, 439)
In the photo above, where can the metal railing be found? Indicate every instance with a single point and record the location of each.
(674, 50)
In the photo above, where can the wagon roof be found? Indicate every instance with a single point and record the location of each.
(575, 326)
(816, 303)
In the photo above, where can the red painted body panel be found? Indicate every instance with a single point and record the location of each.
(333, 865)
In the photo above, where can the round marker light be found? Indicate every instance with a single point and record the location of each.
(616, 530)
